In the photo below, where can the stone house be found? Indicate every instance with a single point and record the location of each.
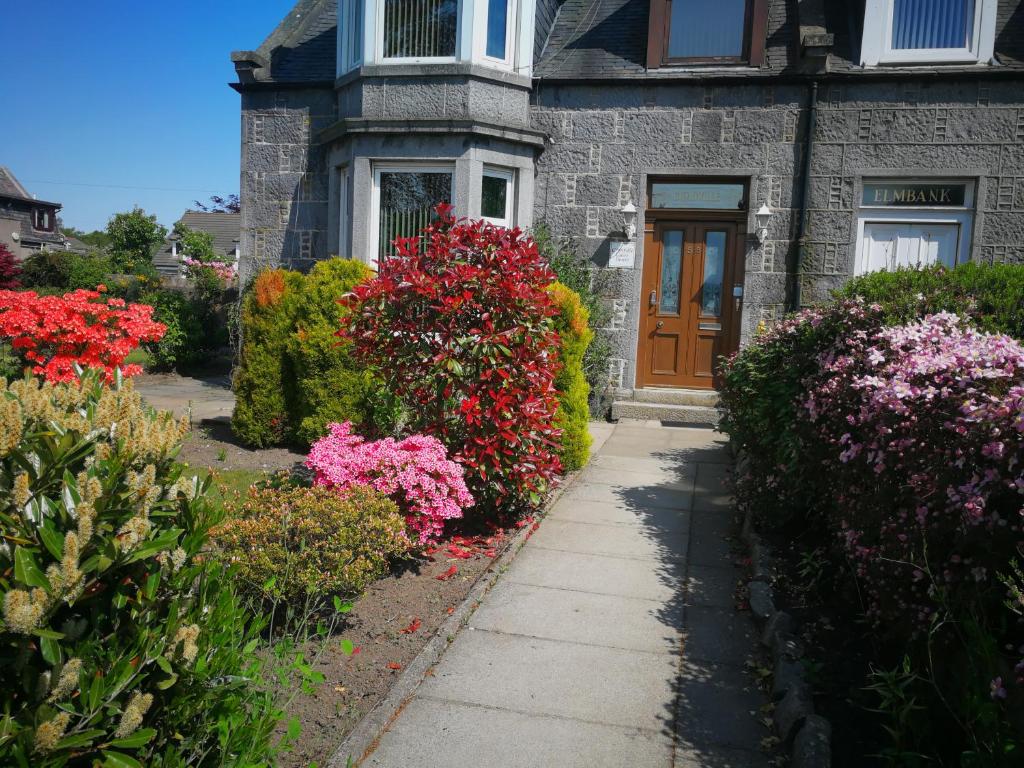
(27, 225)
(686, 146)
(224, 226)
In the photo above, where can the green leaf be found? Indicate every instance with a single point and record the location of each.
(347, 647)
(140, 738)
(294, 728)
(164, 664)
(50, 649)
(80, 739)
(27, 571)
(52, 540)
(119, 760)
(163, 685)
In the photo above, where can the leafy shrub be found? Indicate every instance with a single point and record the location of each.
(459, 325)
(992, 295)
(184, 342)
(897, 449)
(304, 545)
(304, 377)
(118, 636)
(10, 269)
(261, 417)
(329, 386)
(55, 334)
(573, 391)
(414, 472)
(65, 269)
(88, 271)
(579, 275)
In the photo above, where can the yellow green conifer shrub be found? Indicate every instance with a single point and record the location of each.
(264, 377)
(119, 637)
(571, 383)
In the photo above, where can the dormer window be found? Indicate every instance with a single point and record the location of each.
(702, 32)
(928, 32)
(491, 33)
(42, 219)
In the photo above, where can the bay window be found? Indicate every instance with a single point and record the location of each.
(685, 32)
(928, 31)
(404, 198)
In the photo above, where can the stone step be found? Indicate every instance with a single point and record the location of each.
(693, 415)
(705, 397)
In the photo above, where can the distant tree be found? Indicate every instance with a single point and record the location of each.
(218, 204)
(97, 238)
(10, 270)
(194, 244)
(134, 236)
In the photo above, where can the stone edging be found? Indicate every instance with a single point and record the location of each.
(805, 735)
(362, 740)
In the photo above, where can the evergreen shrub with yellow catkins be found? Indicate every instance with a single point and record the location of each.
(120, 643)
(573, 391)
(301, 546)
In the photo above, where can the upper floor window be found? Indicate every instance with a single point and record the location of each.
(42, 219)
(420, 29)
(928, 31)
(492, 33)
(706, 32)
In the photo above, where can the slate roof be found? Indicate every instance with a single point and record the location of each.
(13, 189)
(303, 47)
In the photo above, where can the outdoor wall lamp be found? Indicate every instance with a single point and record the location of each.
(764, 213)
(629, 220)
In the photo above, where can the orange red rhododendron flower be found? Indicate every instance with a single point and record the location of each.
(54, 334)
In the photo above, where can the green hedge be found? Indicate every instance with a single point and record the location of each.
(573, 390)
(295, 376)
(992, 295)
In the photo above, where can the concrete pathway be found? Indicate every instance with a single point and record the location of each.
(204, 398)
(612, 639)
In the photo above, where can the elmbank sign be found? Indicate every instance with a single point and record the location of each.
(915, 194)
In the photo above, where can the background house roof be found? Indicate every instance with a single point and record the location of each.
(226, 230)
(11, 188)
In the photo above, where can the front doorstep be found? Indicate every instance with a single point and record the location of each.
(693, 407)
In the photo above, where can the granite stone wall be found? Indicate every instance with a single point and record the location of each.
(284, 178)
(607, 140)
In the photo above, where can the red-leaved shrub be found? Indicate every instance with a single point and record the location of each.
(459, 324)
(54, 334)
(10, 270)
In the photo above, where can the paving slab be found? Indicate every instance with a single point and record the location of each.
(641, 496)
(584, 617)
(613, 540)
(546, 677)
(434, 732)
(719, 757)
(712, 586)
(582, 510)
(718, 635)
(718, 706)
(622, 576)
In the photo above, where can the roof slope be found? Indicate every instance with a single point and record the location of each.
(303, 47)
(11, 188)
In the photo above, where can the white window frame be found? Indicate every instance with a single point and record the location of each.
(960, 215)
(379, 39)
(507, 175)
(351, 18)
(876, 45)
(511, 33)
(344, 227)
(390, 166)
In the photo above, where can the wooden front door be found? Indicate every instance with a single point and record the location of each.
(690, 315)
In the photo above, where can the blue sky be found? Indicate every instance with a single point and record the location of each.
(114, 94)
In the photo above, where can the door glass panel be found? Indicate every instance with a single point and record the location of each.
(714, 268)
(671, 270)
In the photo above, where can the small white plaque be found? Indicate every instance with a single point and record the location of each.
(622, 254)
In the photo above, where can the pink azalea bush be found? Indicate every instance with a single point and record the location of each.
(415, 472)
(225, 270)
(922, 431)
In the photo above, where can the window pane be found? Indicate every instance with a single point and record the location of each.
(494, 198)
(714, 263)
(920, 24)
(701, 29)
(497, 26)
(420, 28)
(407, 200)
(723, 197)
(671, 269)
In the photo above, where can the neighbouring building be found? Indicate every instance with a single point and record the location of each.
(223, 226)
(27, 225)
(720, 160)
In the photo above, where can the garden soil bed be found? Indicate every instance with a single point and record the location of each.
(388, 626)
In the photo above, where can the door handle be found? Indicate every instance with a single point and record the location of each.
(660, 324)
(652, 300)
